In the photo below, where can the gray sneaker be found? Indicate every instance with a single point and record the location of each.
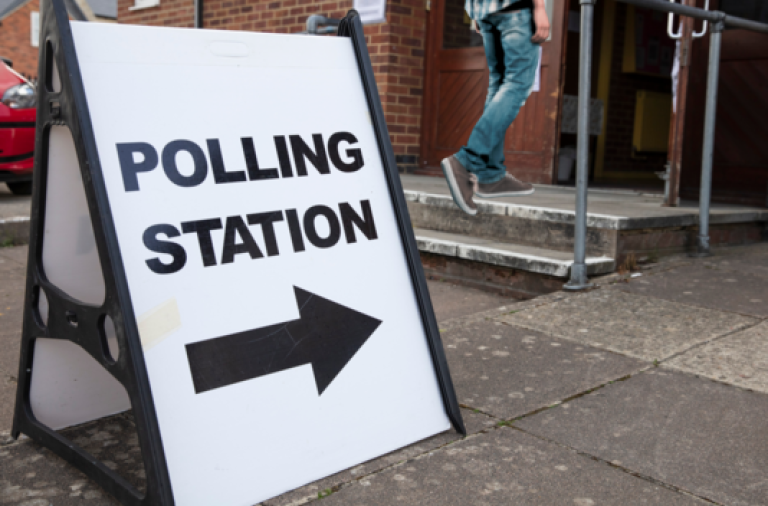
(461, 183)
(507, 187)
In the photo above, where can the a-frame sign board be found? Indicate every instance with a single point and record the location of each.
(220, 243)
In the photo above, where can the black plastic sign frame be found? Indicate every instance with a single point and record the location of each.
(83, 324)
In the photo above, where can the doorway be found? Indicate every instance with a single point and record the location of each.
(455, 88)
(631, 92)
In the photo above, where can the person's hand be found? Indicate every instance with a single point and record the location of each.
(475, 26)
(541, 21)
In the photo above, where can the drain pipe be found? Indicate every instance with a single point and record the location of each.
(198, 6)
(579, 279)
(713, 73)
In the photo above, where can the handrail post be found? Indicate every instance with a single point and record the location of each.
(579, 279)
(713, 73)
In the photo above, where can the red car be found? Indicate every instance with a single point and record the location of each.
(18, 112)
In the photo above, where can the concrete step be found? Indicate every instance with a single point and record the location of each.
(517, 224)
(618, 223)
(526, 258)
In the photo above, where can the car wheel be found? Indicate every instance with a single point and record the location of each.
(24, 188)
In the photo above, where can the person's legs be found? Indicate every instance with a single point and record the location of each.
(494, 58)
(462, 183)
(496, 79)
(484, 153)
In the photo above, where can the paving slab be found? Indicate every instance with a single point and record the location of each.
(30, 472)
(475, 422)
(740, 359)
(17, 254)
(695, 434)
(12, 206)
(704, 286)
(505, 467)
(12, 281)
(631, 324)
(508, 371)
(11, 304)
(492, 314)
(752, 259)
(454, 301)
(12, 284)
(13, 272)
(9, 371)
(8, 266)
(30, 475)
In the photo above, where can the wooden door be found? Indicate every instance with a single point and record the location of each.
(740, 165)
(455, 89)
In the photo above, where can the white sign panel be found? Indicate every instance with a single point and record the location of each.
(537, 77)
(281, 332)
(371, 11)
(34, 28)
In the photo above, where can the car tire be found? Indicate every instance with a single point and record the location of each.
(20, 188)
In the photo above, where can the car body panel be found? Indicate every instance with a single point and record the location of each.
(17, 134)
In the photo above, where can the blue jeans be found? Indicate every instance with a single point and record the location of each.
(512, 60)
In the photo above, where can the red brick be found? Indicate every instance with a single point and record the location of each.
(400, 10)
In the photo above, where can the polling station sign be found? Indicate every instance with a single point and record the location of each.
(272, 324)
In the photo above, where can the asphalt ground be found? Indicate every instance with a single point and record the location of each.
(13, 205)
(649, 390)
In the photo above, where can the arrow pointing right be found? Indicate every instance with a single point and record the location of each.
(326, 335)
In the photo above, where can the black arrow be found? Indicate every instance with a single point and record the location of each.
(326, 335)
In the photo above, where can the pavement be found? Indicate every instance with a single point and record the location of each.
(14, 217)
(13, 205)
(651, 389)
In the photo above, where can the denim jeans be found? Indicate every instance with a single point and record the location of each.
(512, 60)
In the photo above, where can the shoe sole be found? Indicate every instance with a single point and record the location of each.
(454, 188)
(505, 194)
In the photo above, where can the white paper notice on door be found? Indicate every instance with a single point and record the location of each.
(537, 79)
(371, 11)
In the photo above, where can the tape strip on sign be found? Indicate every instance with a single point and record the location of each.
(159, 323)
(255, 257)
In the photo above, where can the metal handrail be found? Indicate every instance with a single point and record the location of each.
(671, 23)
(680, 9)
(679, 34)
(718, 20)
(315, 21)
(698, 35)
(698, 13)
(745, 24)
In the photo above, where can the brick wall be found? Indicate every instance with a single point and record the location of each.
(16, 42)
(178, 13)
(396, 47)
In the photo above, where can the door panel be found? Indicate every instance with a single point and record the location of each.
(456, 87)
(461, 92)
(740, 164)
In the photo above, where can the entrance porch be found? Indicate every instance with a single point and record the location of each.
(524, 246)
